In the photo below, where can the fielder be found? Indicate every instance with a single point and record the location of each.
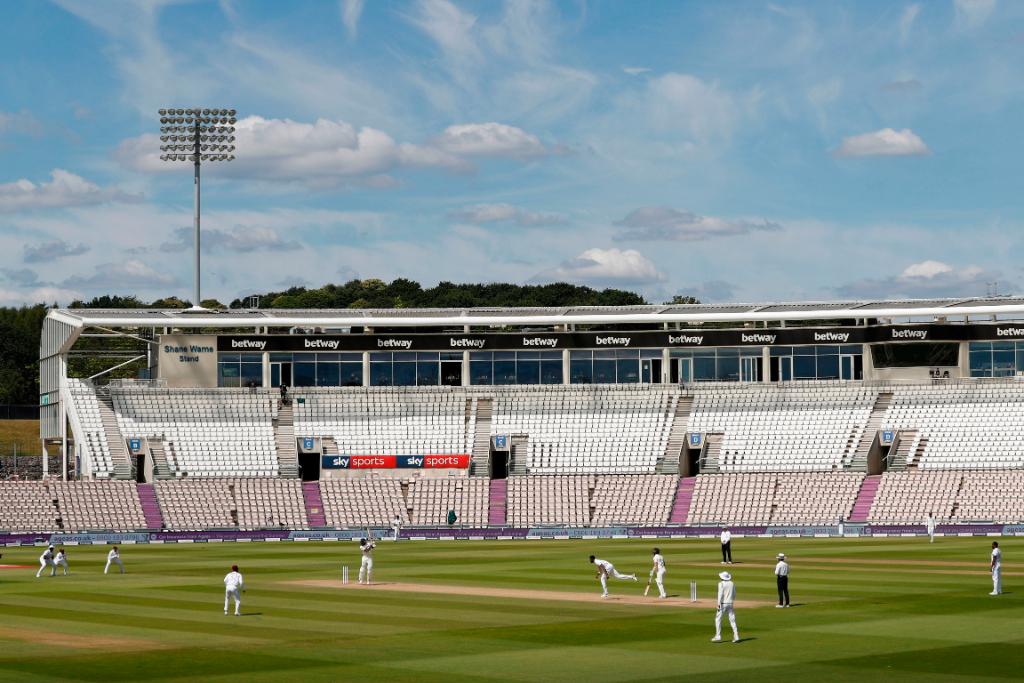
(396, 526)
(996, 565)
(46, 560)
(234, 585)
(657, 573)
(61, 561)
(366, 566)
(114, 557)
(726, 598)
(929, 524)
(606, 569)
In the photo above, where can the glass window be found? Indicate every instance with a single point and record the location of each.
(326, 358)
(480, 372)
(628, 370)
(481, 355)
(528, 355)
(1003, 363)
(855, 349)
(380, 374)
(230, 357)
(551, 371)
(451, 355)
(581, 371)
(981, 363)
(782, 351)
(252, 358)
(1002, 346)
(604, 370)
(551, 355)
(422, 357)
(230, 370)
(351, 374)
(827, 350)
(428, 374)
(528, 372)
(728, 351)
(828, 367)
(650, 353)
(327, 374)
(281, 358)
(404, 374)
(304, 374)
(703, 369)
(980, 346)
(504, 371)
(804, 367)
(604, 354)
(380, 356)
(729, 368)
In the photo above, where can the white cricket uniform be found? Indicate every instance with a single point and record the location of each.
(46, 560)
(233, 585)
(726, 598)
(997, 571)
(366, 566)
(929, 524)
(61, 561)
(658, 570)
(610, 570)
(396, 526)
(113, 557)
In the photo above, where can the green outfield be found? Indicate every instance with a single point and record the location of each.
(865, 610)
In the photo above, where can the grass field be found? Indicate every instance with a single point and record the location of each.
(865, 610)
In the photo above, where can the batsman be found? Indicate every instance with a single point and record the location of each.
(657, 573)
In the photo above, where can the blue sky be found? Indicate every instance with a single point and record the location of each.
(740, 151)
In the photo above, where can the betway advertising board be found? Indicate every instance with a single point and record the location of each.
(389, 462)
(619, 340)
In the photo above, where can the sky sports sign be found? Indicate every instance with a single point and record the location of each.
(389, 462)
(619, 340)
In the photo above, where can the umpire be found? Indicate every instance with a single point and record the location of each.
(782, 580)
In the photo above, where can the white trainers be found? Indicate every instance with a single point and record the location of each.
(735, 640)
(716, 639)
(604, 595)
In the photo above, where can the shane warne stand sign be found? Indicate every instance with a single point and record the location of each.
(388, 462)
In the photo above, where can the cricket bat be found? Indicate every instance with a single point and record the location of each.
(647, 588)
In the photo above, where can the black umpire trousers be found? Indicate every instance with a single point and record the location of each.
(783, 584)
(727, 552)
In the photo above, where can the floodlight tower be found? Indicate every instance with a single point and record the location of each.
(197, 135)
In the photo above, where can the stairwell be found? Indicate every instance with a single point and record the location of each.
(681, 505)
(669, 463)
(859, 459)
(330, 446)
(480, 458)
(497, 502)
(865, 497)
(314, 504)
(284, 439)
(915, 459)
(712, 449)
(161, 468)
(150, 506)
(905, 443)
(115, 440)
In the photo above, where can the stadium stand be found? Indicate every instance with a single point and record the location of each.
(235, 503)
(633, 499)
(86, 410)
(588, 430)
(99, 505)
(387, 421)
(561, 500)
(908, 497)
(970, 425)
(206, 432)
(990, 496)
(27, 506)
(431, 499)
(774, 498)
(360, 502)
(791, 427)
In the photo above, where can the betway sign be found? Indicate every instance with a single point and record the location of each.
(632, 339)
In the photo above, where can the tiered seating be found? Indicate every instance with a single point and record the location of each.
(208, 432)
(908, 497)
(269, 503)
(770, 498)
(792, 427)
(27, 506)
(371, 421)
(94, 439)
(966, 425)
(633, 499)
(196, 504)
(431, 499)
(549, 500)
(991, 496)
(362, 502)
(582, 430)
(99, 506)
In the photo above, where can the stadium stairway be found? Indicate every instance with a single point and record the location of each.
(315, 516)
(859, 461)
(865, 497)
(115, 440)
(150, 506)
(677, 436)
(480, 463)
(681, 505)
(497, 503)
(284, 439)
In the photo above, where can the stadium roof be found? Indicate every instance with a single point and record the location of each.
(579, 315)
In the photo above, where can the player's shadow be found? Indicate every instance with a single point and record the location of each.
(251, 614)
(747, 639)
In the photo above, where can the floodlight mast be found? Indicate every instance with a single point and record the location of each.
(197, 135)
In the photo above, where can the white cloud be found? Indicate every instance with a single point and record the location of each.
(665, 223)
(351, 10)
(605, 267)
(64, 189)
(884, 142)
(971, 14)
(479, 214)
(51, 251)
(685, 102)
(635, 70)
(928, 278)
(124, 275)
(325, 152)
(21, 122)
(491, 140)
(907, 19)
(38, 295)
(452, 30)
(236, 239)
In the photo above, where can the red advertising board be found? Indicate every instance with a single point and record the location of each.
(371, 462)
(446, 461)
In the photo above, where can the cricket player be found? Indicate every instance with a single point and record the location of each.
(366, 566)
(234, 585)
(658, 571)
(726, 598)
(46, 560)
(782, 579)
(114, 557)
(606, 569)
(996, 565)
(929, 524)
(726, 539)
(61, 561)
(396, 526)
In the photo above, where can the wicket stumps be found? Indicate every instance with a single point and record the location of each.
(693, 591)
(344, 573)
